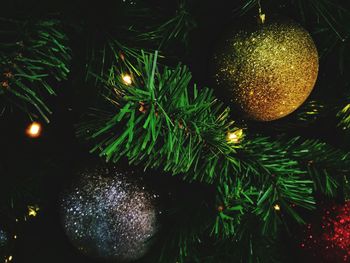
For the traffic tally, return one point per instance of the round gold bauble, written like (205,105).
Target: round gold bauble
(269,69)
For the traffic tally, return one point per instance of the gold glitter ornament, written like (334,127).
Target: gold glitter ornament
(269,69)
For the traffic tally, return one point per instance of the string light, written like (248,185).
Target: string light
(33,210)
(277,207)
(34,130)
(8,259)
(235,136)
(220,208)
(127,79)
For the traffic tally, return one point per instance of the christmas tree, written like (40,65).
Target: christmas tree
(175,131)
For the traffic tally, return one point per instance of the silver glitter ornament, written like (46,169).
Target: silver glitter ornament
(108,215)
(3,238)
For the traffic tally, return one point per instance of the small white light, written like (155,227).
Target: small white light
(277,207)
(34,130)
(127,79)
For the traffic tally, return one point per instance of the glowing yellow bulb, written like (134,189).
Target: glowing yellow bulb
(8,259)
(33,210)
(15,237)
(277,207)
(262,18)
(127,79)
(234,137)
(34,130)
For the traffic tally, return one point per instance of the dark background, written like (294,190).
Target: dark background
(36,170)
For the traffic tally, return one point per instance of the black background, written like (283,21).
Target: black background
(45,165)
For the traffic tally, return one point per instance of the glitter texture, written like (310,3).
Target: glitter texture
(3,238)
(331,241)
(108,215)
(270,69)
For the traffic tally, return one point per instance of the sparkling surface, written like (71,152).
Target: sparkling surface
(270,70)
(111,217)
(332,240)
(3,238)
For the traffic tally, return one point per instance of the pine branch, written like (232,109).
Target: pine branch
(325,165)
(344,116)
(245,6)
(321,168)
(112,58)
(281,195)
(268,201)
(31,54)
(332,23)
(329,12)
(158,32)
(176,28)
(233,203)
(154,120)
(151,114)
(184,236)
(181,135)
(307,116)
(310,111)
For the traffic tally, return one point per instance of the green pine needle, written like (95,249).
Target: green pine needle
(32,54)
